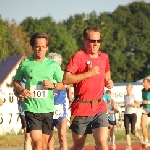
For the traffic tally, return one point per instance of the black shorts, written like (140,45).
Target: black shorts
(23,123)
(84,125)
(112,122)
(39,121)
(130,118)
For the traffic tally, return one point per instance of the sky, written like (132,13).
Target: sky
(59,10)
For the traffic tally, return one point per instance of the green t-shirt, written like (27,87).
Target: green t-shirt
(34,73)
(146,96)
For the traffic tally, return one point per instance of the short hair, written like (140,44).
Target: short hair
(55,56)
(129,84)
(148,80)
(39,35)
(88,30)
(108,92)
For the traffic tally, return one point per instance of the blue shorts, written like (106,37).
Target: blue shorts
(56,121)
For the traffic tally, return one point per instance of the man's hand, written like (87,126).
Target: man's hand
(109,83)
(25,93)
(47,84)
(93,71)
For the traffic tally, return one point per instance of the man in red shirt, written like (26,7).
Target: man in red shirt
(89,71)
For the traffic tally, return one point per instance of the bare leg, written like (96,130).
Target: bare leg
(45,138)
(27,141)
(111,130)
(78,141)
(143,125)
(128,139)
(138,135)
(61,126)
(101,136)
(36,136)
(51,141)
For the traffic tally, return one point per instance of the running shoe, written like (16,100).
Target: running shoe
(147,144)
(142,141)
(128,148)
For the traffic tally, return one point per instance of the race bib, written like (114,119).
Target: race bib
(59,110)
(38,91)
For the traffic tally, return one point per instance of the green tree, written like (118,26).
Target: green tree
(3,30)
(16,40)
(61,40)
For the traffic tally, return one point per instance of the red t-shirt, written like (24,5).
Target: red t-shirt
(91,88)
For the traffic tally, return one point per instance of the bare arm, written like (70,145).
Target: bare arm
(115,110)
(17,86)
(108,82)
(115,106)
(136,104)
(60,86)
(108,75)
(18,95)
(22,91)
(49,84)
(69,93)
(144,102)
(71,79)
(122,106)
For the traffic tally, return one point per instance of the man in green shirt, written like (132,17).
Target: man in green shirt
(40,73)
(146,109)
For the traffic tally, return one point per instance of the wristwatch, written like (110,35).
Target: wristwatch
(55,85)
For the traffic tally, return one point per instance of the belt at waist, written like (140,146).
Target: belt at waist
(88,101)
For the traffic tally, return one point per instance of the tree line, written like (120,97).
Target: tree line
(125,37)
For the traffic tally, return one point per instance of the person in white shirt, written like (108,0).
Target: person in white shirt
(131,105)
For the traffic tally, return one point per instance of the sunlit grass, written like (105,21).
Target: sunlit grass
(12,140)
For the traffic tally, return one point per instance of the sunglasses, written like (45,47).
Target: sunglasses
(93,41)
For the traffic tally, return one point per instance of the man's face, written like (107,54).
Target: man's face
(145,83)
(92,44)
(40,48)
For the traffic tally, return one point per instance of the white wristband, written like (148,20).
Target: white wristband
(148,102)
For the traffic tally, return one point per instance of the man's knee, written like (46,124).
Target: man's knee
(37,143)
(102,144)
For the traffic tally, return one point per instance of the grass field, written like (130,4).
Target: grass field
(12,140)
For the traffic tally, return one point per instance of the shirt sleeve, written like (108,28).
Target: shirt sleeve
(19,72)
(58,75)
(73,64)
(107,64)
